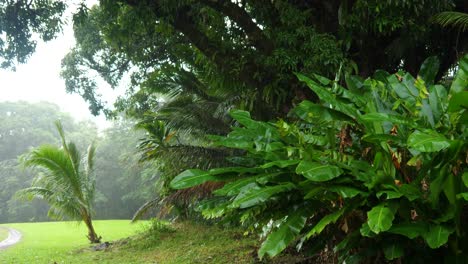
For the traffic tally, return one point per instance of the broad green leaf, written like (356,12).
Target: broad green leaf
(345,191)
(328,219)
(390,194)
(190,178)
(232,142)
(382,117)
(253,194)
(309,112)
(234,187)
(315,171)
(463,196)
(280,238)
(458,101)
(437,236)
(264,178)
(404,89)
(436,187)
(380,218)
(393,251)
(465,178)
(314,192)
(460,83)
(381,76)
(366,231)
(328,97)
(280,164)
(409,230)
(354,83)
(378,138)
(438,100)
(217,171)
(449,189)
(410,191)
(429,69)
(426,112)
(323,80)
(427,142)
(243,117)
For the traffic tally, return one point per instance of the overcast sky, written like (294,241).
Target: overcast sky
(39,79)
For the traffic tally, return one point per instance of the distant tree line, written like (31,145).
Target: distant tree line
(26,125)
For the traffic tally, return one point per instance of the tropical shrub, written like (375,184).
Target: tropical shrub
(374,170)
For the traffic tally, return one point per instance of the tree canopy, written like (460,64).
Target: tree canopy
(247,51)
(23,23)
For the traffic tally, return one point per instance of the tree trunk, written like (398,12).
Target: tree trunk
(92,236)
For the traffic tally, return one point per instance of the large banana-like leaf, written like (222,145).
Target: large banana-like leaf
(280,238)
(460,83)
(410,230)
(280,164)
(315,171)
(253,194)
(380,218)
(437,235)
(405,90)
(346,191)
(329,98)
(309,112)
(429,70)
(458,101)
(438,100)
(429,141)
(234,187)
(328,219)
(383,117)
(190,178)
(393,251)
(465,178)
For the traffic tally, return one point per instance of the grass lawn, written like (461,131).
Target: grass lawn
(56,241)
(3,234)
(184,242)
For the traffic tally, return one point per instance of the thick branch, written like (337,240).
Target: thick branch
(243,19)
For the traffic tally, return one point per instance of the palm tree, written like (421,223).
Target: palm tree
(64,182)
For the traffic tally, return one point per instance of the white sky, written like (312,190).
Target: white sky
(39,80)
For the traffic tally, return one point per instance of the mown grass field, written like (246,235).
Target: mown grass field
(184,242)
(3,234)
(58,241)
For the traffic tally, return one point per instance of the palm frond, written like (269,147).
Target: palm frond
(145,208)
(33,192)
(55,162)
(452,19)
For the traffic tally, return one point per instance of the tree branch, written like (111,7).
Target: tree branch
(243,19)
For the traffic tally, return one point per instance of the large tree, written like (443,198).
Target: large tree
(64,182)
(23,23)
(249,49)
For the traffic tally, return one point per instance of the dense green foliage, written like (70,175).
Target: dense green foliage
(22,126)
(379,167)
(245,51)
(376,164)
(20,21)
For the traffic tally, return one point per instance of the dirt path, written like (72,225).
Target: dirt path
(14,236)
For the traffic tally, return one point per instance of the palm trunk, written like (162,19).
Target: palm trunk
(92,236)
